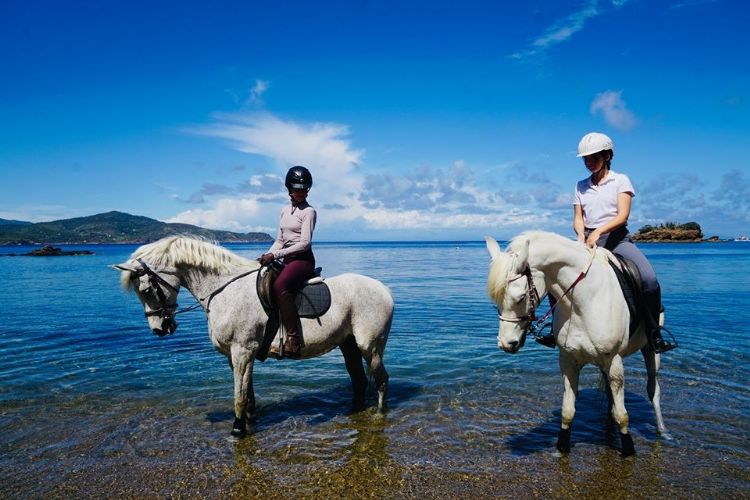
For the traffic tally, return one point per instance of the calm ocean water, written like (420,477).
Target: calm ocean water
(92,404)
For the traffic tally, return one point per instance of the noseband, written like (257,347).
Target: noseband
(166,311)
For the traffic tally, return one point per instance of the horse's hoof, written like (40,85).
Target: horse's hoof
(628,449)
(358,405)
(238,427)
(563,441)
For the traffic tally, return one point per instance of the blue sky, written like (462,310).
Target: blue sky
(419,120)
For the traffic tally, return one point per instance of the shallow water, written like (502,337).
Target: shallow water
(92,404)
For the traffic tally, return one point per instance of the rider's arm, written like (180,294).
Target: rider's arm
(305,238)
(578,225)
(623,212)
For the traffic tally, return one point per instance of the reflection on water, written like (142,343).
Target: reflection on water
(91,404)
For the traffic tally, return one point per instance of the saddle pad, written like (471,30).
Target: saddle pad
(630,283)
(313,300)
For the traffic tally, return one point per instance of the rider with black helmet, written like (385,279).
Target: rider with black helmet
(293,245)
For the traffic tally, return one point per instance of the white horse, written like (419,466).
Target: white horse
(591,318)
(358,321)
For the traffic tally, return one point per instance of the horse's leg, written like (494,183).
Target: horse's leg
(619,413)
(570,371)
(608,391)
(374,360)
(242,363)
(653,360)
(353,360)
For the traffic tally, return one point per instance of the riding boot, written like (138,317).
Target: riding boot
(290,320)
(652,310)
(549,339)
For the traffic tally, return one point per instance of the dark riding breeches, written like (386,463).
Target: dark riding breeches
(294,274)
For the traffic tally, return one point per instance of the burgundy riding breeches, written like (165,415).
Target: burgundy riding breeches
(296,272)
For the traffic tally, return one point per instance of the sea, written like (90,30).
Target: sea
(93,405)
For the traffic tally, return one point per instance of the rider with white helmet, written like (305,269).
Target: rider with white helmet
(601,210)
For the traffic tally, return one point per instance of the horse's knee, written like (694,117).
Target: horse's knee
(621,418)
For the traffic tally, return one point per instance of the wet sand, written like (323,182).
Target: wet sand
(309,448)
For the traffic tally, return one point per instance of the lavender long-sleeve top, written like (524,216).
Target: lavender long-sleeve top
(295,230)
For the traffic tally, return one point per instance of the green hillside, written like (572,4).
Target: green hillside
(110,227)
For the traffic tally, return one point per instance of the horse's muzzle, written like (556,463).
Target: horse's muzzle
(168,328)
(511,347)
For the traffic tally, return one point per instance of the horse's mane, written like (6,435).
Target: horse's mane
(176,251)
(497,281)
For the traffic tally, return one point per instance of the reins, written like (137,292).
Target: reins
(165,311)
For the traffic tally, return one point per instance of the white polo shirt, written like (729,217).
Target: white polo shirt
(599,203)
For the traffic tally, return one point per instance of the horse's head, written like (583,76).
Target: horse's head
(157,291)
(510,285)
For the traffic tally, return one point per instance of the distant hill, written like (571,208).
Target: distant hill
(9,222)
(111,227)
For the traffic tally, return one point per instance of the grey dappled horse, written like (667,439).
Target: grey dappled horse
(358,321)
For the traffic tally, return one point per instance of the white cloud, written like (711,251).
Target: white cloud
(346,193)
(256,93)
(422,220)
(614,110)
(561,30)
(323,147)
(231,214)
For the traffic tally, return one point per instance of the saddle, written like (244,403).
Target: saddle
(312,301)
(632,288)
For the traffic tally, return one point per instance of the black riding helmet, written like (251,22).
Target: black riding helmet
(298,178)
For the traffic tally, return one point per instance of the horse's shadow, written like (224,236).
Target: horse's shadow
(593,424)
(319,406)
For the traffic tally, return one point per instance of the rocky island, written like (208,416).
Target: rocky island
(672,232)
(49,251)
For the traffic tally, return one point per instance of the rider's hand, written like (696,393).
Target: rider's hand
(593,238)
(266,259)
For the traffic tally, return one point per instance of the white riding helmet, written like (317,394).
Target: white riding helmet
(593,143)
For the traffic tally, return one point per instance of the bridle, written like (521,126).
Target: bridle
(167,312)
(533,299)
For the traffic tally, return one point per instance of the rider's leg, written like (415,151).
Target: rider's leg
(651,294)
(285,289)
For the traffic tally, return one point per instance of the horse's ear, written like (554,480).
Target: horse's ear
(522,257)
(492,246)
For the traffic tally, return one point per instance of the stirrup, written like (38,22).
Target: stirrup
(665,345)
(546,340)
